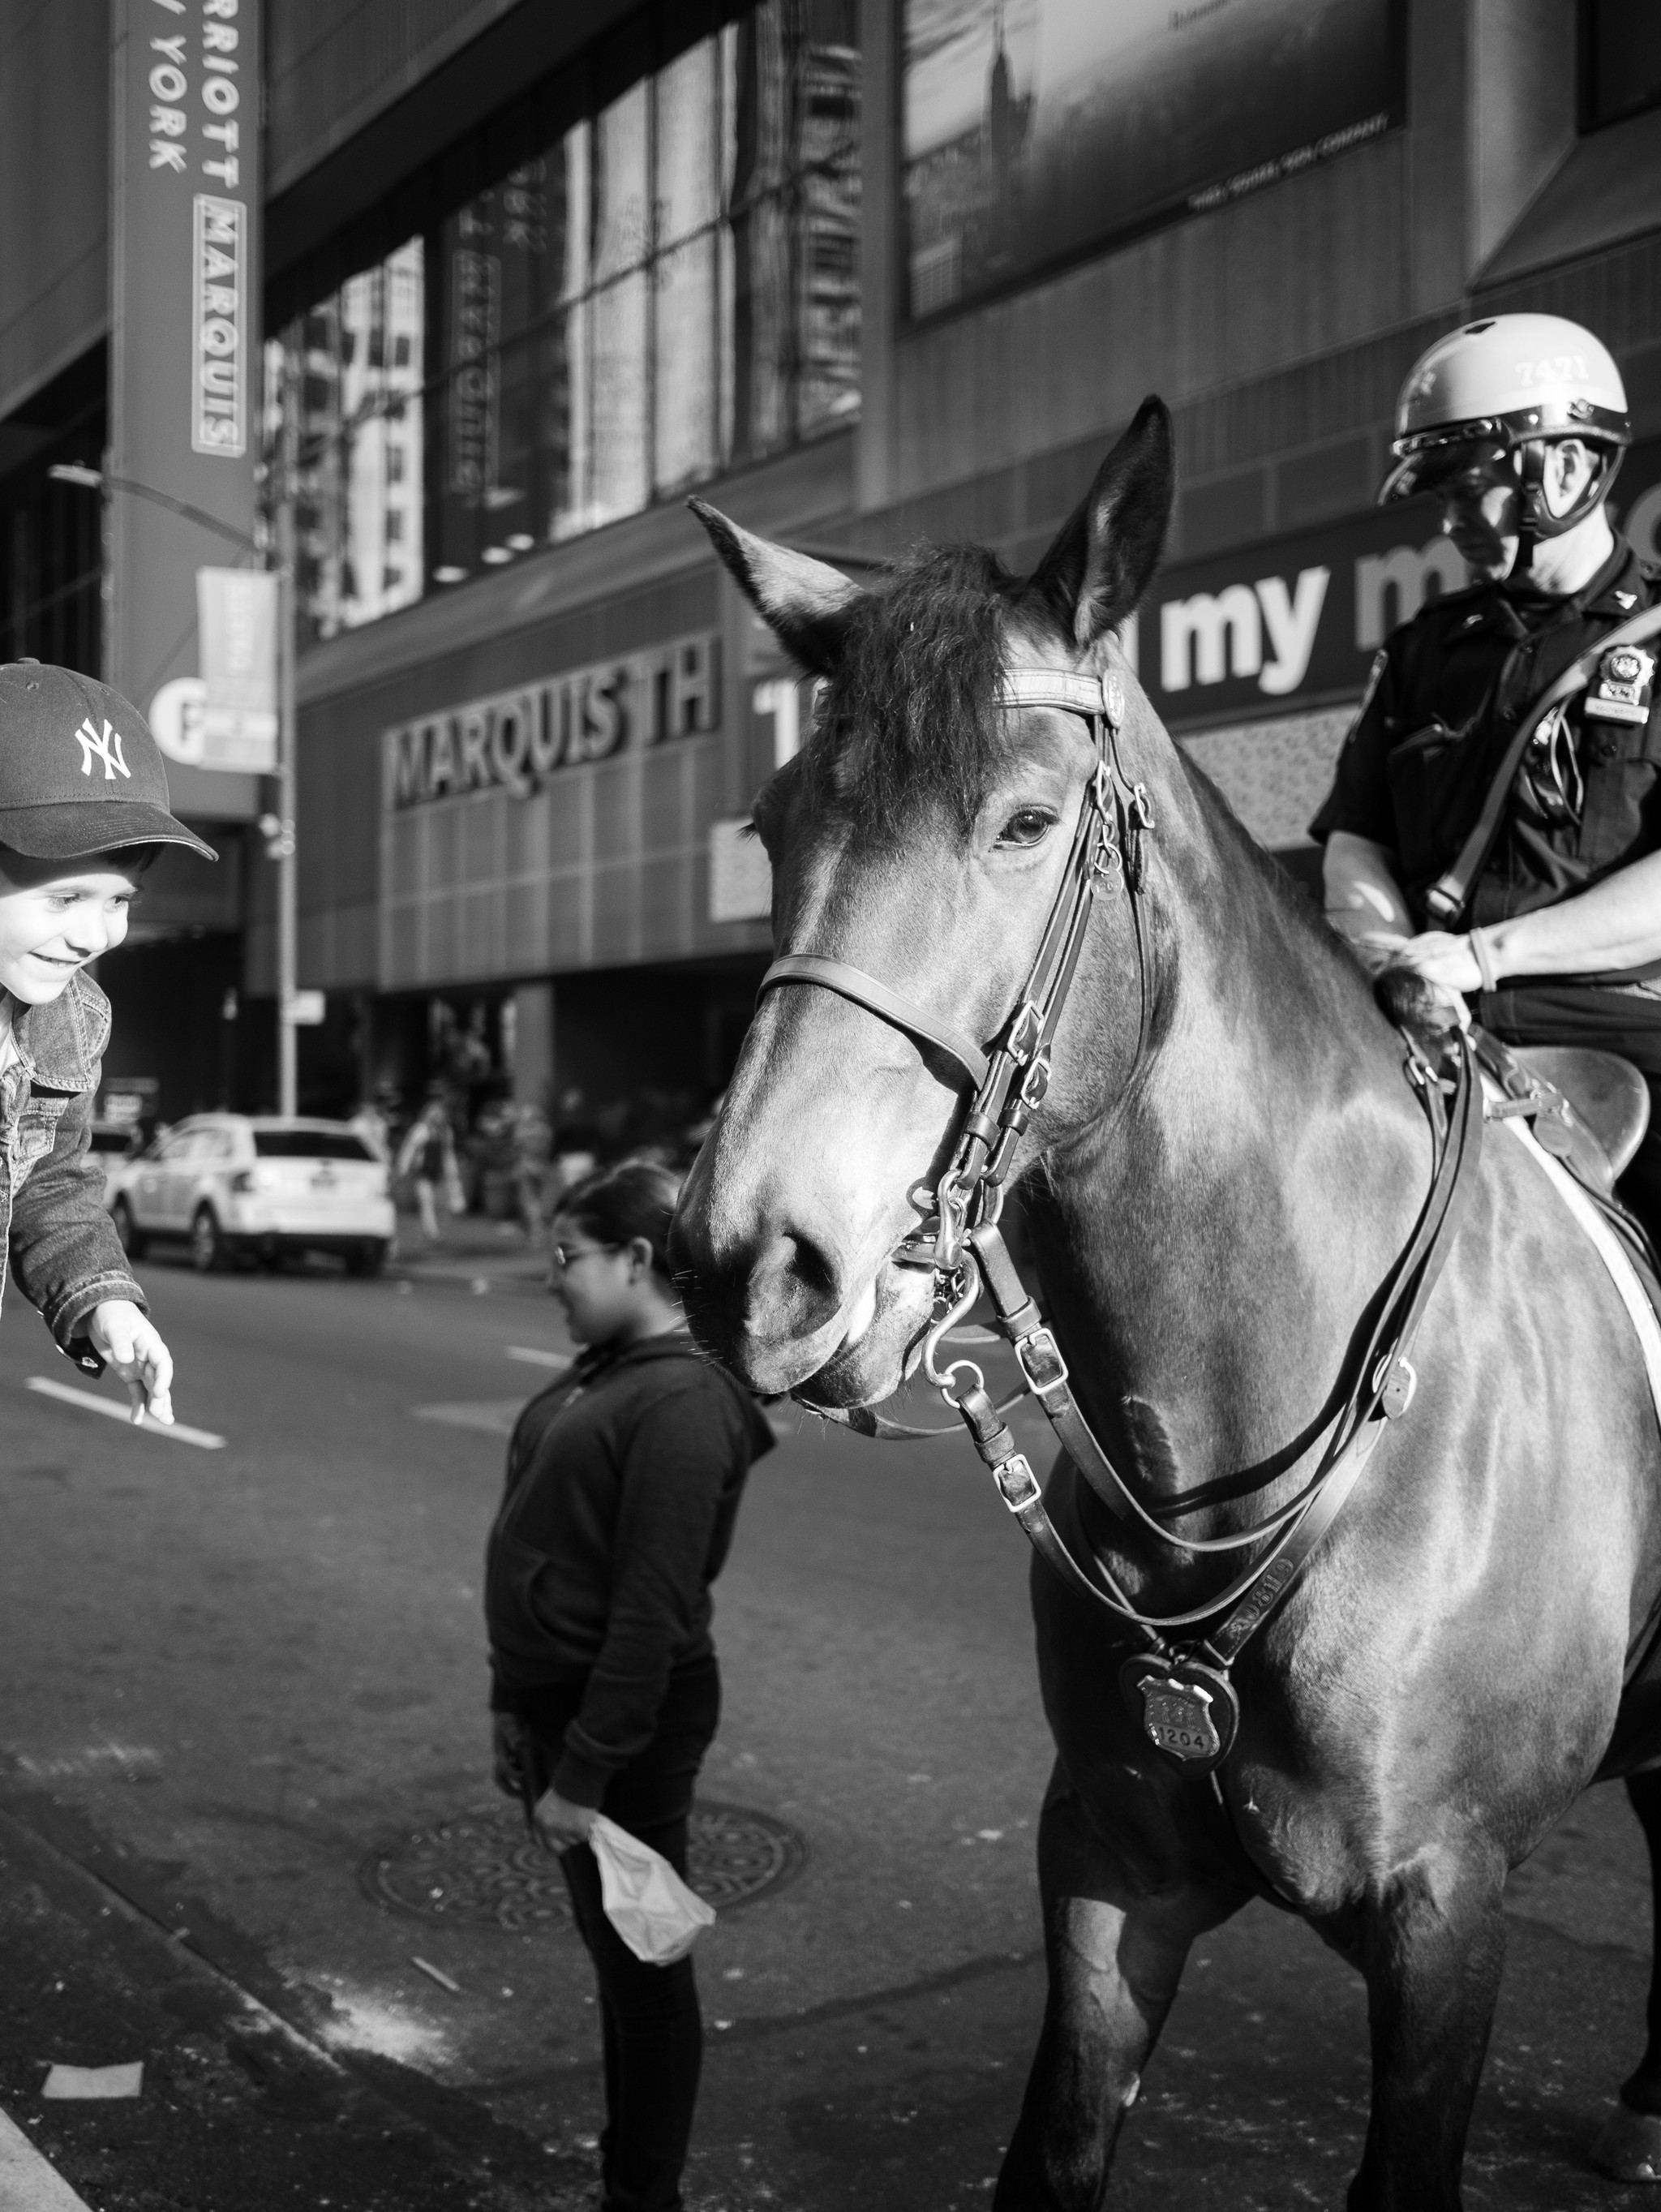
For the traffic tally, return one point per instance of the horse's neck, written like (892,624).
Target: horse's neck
(1207,1251)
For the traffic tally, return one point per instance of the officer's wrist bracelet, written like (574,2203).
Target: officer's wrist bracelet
(1484,959)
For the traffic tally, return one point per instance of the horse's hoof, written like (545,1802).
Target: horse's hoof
(1629,2148)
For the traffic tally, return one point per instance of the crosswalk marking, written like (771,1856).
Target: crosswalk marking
(178,1432)
(27,2182)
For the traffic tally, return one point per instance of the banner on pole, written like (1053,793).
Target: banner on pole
(184,355)
(237,635)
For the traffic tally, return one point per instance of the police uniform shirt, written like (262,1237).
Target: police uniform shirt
(1446,693)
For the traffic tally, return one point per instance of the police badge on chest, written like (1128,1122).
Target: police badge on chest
(1620,692)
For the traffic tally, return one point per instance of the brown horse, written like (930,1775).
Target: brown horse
(1226,1168)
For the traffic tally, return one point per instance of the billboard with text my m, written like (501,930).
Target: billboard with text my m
(1294,621)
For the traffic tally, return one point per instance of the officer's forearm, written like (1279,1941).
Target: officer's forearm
(1617,924)
(1361,895)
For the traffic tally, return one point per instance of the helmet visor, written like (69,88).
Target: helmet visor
(1447,466)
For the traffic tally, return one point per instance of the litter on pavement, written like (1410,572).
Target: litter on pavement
(89,2081)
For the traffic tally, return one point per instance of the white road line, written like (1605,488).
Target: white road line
(27,2183)
(179,1433)
(532,1357)
(497,1416)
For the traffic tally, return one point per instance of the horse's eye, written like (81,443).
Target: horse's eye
(1025,826)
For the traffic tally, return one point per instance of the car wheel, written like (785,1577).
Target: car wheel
(367,1258)
(208,1251)
(133,1237)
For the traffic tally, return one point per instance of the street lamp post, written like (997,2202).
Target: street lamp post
(278,828)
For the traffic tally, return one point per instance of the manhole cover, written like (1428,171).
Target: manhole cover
(482,1868)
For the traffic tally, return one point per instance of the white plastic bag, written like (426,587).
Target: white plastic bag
(645,1900)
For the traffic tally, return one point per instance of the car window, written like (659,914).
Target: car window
(213,1144)
(310,1144)
(179,1146)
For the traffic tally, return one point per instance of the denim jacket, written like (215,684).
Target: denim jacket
(64,1251)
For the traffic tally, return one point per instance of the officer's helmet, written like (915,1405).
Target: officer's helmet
(1500,390)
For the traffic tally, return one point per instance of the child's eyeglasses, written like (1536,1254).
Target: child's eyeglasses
(566,1255)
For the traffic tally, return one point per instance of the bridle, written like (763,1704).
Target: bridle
(1189,1706)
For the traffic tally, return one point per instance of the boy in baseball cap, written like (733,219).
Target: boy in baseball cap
(83,809)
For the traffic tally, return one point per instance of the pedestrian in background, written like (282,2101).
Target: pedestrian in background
(427,1158)
(623,1483)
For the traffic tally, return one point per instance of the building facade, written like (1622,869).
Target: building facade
(862,272)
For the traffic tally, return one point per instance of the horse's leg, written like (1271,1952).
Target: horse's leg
(1432,1946)
(1630,2148)
(1113,1973)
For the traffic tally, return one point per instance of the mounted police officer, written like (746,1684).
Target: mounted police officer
(1516,426)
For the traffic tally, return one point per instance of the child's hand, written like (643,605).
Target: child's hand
(126,1341)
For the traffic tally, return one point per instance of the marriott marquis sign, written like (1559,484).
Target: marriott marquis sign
(516,740)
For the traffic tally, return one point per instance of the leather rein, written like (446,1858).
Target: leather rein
(1188,1705)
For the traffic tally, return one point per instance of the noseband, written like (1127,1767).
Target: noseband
(1188,1705)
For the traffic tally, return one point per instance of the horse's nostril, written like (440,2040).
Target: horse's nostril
(794,1256)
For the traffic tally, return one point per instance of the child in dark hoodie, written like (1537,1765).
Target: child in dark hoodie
(623,1483)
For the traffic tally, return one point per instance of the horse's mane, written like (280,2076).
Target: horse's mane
(908,717)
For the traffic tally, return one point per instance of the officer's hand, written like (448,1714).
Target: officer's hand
(1446,960)
(132,1345)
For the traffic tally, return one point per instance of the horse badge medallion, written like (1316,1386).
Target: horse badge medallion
(1188,1712)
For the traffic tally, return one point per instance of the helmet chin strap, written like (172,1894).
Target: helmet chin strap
(1536,519)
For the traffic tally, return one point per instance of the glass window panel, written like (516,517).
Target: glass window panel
(619,481)
(555,382)
(620,208)
(569,376)
(687,144)
(573,159)
(761,326)
(829,280)
(762,102)
(684,384)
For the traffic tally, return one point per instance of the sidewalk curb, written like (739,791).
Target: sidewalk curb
(64,1851)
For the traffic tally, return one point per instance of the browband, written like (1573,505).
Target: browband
(1055,687)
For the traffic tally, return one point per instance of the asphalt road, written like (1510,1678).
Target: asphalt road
(240,1682)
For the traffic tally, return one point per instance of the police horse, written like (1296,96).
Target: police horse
(1355,1539)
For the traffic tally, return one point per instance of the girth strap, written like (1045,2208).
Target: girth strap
(865,990)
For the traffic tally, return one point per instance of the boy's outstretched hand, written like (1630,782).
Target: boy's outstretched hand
(126,1340)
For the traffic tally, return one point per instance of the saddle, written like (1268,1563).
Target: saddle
(1590,1108)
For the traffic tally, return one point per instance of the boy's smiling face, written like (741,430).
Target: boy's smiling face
(56,915)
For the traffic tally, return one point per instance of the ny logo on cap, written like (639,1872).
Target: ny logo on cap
(107,747)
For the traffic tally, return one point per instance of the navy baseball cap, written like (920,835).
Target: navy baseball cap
(80,772)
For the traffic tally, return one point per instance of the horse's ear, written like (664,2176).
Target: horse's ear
(806,603)
(1100,565)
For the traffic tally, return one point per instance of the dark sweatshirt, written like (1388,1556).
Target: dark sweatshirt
(623,1482)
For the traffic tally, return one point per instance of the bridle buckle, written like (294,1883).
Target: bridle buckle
(1026,1030)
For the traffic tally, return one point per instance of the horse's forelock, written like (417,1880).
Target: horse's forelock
(909,720)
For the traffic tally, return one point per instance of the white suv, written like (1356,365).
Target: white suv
(238,1185)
